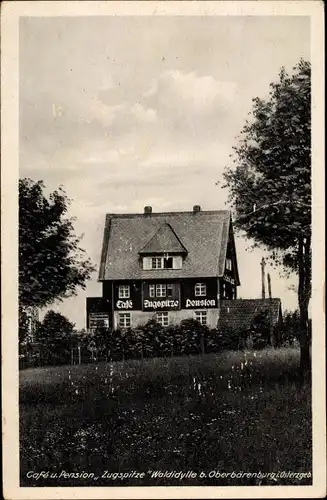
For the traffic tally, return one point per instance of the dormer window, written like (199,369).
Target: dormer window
(161,262)
(164,250)
(156,263)
(168,262)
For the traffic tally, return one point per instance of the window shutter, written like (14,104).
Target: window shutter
(177,262)
(147,262)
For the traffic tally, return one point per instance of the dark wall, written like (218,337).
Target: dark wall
(227,290)
(182,290)
(188,290)
(175,289)
(97,305)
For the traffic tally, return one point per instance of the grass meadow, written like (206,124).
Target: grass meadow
(233,411)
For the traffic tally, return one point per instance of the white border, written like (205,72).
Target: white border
(10,13)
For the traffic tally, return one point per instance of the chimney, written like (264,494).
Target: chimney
(263,285)
(196,209)
(147,210)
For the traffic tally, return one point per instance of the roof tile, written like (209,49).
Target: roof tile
(240,313)
(164,241)
(204,234)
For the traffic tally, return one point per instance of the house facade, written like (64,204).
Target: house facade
(165,266)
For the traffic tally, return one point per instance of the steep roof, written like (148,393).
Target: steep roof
(164,241)
(203,234)
(239,313)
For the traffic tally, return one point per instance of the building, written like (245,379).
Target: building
(241,315)
(167,266)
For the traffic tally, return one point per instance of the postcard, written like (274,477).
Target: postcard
(163,253)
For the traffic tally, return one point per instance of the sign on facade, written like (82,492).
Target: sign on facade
(229,279)
(164,305)
(190,303)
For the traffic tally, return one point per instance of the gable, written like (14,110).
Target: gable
(164,241)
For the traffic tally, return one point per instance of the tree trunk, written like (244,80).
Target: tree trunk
(304,293)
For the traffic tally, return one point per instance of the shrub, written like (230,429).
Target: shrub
(152,340)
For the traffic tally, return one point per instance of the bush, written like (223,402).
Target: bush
(150,340)
(291,327)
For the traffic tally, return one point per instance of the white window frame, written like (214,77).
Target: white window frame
(161,290)
(124,292)
(200,290)
(228,264)
(152,291)
(200,316)
(162,318)
(157,263)
(124,320)
(169,290)
(160,262)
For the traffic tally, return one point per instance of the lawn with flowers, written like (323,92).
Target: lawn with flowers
(233,411)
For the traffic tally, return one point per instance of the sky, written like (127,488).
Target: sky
(125,112)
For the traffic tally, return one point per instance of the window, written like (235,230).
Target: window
(157,263)
(200,290)
(98,320)
(201,317)
(125,320)
(162,318)
(160,290)
(161,263)
(229,264)
(123,292)
(168,262)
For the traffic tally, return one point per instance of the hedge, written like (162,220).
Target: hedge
(150,340)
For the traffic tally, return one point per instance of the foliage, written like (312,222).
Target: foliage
(51,263)
(153,340)
(55,337)
(22,327)
(150,340)
(167,414)
(54,326)
(260,329)
(270,181)
(291,326)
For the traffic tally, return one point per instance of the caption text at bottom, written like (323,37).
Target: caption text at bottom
(166,474)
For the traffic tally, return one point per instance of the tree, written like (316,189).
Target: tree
(22,327)
(54,326)
(51,264)
(56,334)
(270,182)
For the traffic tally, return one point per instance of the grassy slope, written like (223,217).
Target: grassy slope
(232,411)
